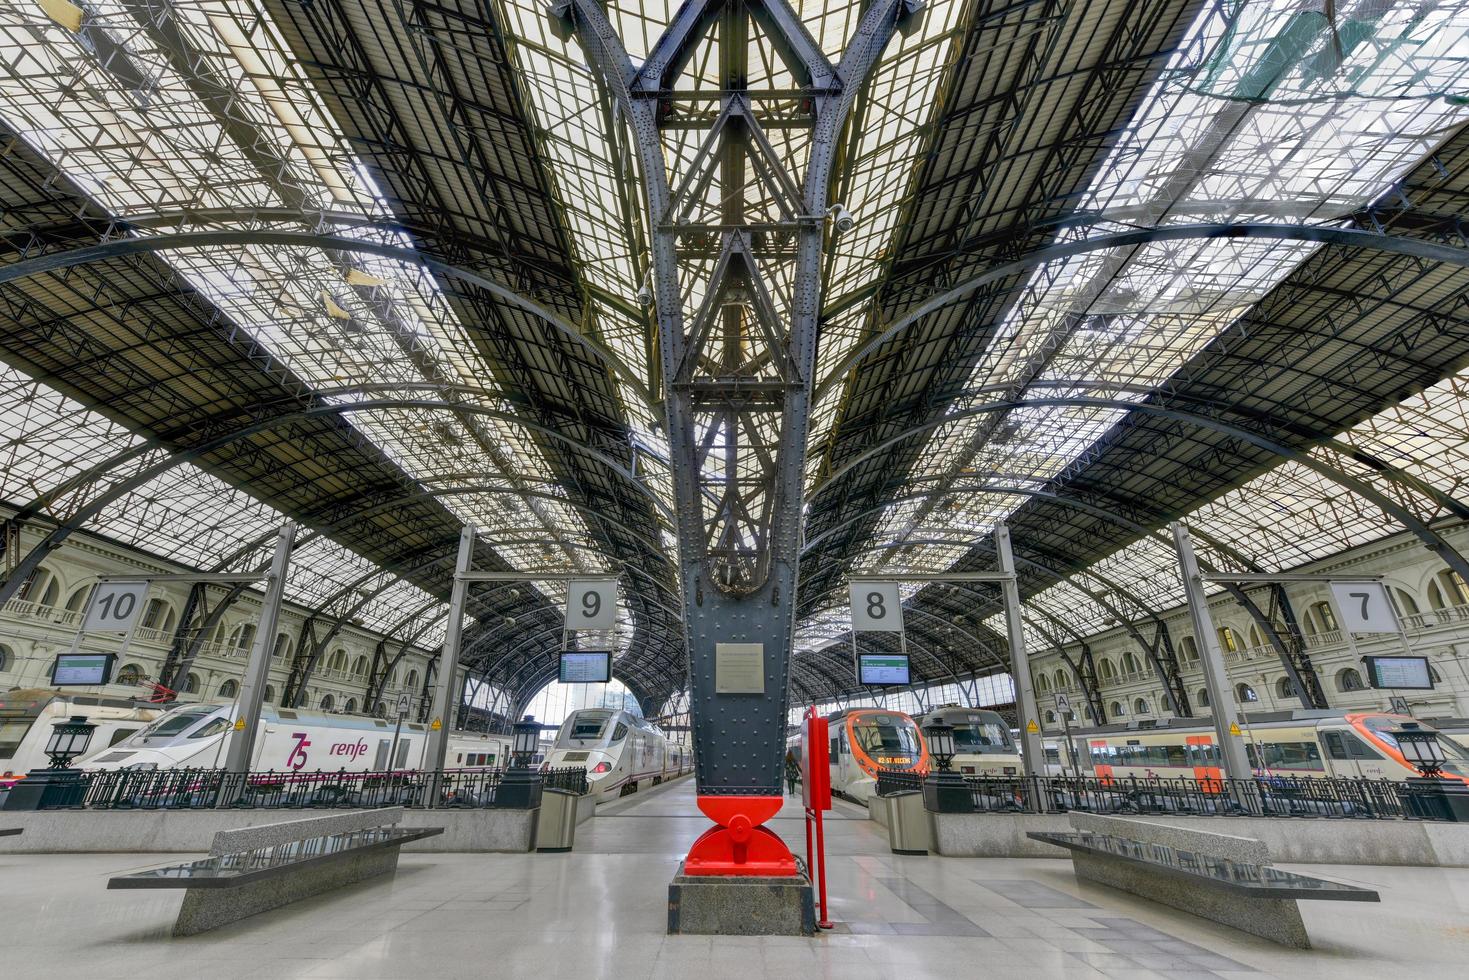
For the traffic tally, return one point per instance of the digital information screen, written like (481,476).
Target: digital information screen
(882,669)
(84,669)
(586,666)
(1408,672)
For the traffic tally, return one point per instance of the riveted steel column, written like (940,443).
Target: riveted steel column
(1227,732)
(446,699)
(257,670)
(1029,717)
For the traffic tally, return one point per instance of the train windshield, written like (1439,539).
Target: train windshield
(175,723)
(889,739)
(1457,756)
(978,735)
(586,725)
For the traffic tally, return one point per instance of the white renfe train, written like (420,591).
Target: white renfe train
(195,736)
(27,715)
(983,745)
(619,751)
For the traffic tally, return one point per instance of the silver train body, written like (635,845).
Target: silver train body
(195,736)
(620,751)
(27,715)
(983,744)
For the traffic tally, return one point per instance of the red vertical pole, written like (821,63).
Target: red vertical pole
(825,922)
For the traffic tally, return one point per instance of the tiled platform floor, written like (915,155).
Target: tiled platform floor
(599,912)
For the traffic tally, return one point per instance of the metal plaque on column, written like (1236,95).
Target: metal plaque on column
(876,606)
(591,604)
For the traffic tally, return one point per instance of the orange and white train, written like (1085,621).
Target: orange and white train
(1289,744)
(865,741)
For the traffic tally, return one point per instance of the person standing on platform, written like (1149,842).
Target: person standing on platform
(793,773)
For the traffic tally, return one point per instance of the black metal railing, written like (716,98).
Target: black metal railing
(185,789)
(1361,799)
(891,782)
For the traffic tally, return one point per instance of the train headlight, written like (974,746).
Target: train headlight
(601,767)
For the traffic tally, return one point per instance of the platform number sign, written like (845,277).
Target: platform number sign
(1364,607)
(591,604)
(115,606)
(876,606)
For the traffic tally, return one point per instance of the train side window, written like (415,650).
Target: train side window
(1345,745)
(1177,757)
(121,734)
(834,750)
(619,733)
(212,727)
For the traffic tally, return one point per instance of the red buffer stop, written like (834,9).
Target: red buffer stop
(739,845)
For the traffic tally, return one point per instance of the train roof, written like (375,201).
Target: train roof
(19,697)
(839,715)
(1255,719)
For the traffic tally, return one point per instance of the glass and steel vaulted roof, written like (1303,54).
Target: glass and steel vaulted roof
(989,132)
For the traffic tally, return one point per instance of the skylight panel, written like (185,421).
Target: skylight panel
(230,126)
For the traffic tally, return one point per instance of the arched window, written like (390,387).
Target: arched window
(191,684)
(1228,640)
(1042,683)
(1189,650)
(1347,679)
(327,701)
(282,646)
(1117,710)
(1244,693)
(338,660)
(351,706)
(1433,675)
(159,615)
(242,637)
(1202,697)
(412,682)
(1404,602)
(1129,664)
(1447,589)
(1106,670)
(1256,640)
(1140,707)
(269,694)
(229,689)
(41,587)
(359,667)
(379,710)
(78,600)
(7,657)
(1050,717)
(1284,689)
(1325,616)
(129,674)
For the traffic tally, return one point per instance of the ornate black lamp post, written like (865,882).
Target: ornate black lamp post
(520,787)
(944,791)
(58,785)
(1429,795)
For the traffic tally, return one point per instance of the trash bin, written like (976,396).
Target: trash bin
(908,822)
(556,826)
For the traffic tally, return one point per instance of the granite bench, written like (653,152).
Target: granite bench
(255,869)
(1220,877)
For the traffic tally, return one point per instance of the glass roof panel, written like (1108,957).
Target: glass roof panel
(206,112)
(1246,125)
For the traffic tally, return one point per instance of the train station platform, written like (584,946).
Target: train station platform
(599,912)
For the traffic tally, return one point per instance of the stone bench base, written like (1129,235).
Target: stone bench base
(210,908)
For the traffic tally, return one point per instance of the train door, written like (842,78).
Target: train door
(1101,761)
(380,760)
(403,746)
(1350,757)
(1204,757)
(838,755)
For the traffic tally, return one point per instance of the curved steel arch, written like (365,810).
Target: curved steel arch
(94,506)
(1365,490)
(125,247)
(1346,237)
